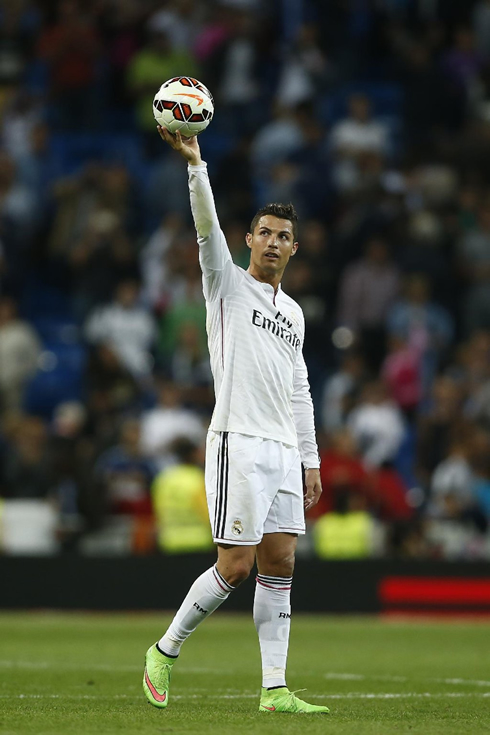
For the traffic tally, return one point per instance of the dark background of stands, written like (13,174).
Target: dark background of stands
(374,119)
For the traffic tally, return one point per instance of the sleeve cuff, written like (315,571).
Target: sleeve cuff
(199,167)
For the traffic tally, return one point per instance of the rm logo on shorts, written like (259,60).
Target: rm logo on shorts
(237,528)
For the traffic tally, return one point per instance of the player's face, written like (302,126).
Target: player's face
(272,244)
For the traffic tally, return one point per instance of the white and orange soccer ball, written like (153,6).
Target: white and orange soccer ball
(183,104)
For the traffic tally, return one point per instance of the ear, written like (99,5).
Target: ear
(248,239)
(294,248)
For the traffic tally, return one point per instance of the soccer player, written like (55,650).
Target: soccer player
(261,430)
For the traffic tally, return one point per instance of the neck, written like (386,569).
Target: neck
(274,279)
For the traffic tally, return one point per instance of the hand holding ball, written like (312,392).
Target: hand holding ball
(183,104)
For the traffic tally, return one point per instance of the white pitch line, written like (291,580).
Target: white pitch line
(470,682)
(95,667)
(361,677)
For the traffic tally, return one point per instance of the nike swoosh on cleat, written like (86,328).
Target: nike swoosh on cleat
(271,709)
(158,697)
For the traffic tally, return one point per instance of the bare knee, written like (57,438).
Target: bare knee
(278,566)
(235,564)
(237,574)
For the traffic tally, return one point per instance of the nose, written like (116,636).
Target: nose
(272,241)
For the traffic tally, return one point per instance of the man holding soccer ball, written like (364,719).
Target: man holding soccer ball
(261,431)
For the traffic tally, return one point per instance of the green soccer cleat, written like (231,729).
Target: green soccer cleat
(282,700)
(156,679)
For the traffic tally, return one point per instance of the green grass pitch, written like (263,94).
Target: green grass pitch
(81,673)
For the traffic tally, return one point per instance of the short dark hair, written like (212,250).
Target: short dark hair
(283,211)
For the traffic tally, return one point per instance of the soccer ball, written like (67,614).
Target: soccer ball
(183,104)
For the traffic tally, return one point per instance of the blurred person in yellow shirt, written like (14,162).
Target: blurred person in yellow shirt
(179,502)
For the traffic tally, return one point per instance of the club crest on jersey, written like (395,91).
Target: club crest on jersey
(237,528)
(284,332)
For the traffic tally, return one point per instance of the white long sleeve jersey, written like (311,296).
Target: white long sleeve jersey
(255,339)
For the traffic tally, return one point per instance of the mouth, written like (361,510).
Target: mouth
(271,256)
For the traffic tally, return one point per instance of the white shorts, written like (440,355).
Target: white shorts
(253,486)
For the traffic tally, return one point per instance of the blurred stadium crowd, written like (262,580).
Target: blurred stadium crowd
(373,117)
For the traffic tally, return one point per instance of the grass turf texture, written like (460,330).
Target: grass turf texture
(75,673)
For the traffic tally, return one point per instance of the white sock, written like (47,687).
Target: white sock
(272,618)
(206,594)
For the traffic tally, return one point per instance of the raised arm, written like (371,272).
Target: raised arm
(214,256)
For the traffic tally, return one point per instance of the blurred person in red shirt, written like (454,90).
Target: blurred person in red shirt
(71,47)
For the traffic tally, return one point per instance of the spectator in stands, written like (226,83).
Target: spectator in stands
(458,516)
(480,465)
(37,170)
(127,327)
(26,471)
(276,140)
(388,497)
(235,68)
(156,62)
(18,219)
(342,471)
(439,426)
(424,93)
(368,289)
(179,502)
(423,324)
(168,421)
(305,70)
(123,476)
(481,28)
(153,261)
(112,391)
(95,188)
(358,133)
(377,425)
(186,307)
(19,352)
(451,494)
(29,520)
(181,20)
(72,48)
(347,532)
(21,114)
(461,65)
(341,389)
(401,372)
(473,253)
(312,190)
(100,260)
(188,364)
(300,285)
(18,28)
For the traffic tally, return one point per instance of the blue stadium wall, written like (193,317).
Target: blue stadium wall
(75,583)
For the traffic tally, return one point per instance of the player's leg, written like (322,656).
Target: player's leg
(213,587)
(207,593)
(272,608)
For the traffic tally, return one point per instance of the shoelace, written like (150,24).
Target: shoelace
(291,696)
